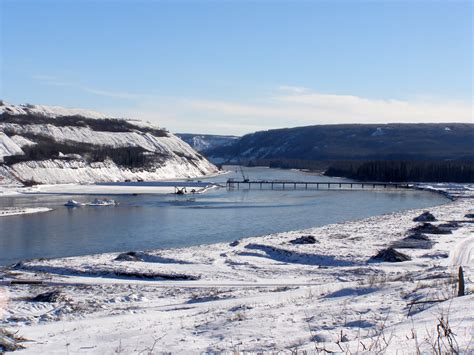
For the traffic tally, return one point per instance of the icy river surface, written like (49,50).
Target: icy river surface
(168,221)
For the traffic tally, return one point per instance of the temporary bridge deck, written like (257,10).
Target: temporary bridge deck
(280,184)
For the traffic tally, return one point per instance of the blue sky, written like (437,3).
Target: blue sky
(233,67)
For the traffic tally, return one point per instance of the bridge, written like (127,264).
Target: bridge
(327,185)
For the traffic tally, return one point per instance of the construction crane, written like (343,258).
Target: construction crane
(244,178)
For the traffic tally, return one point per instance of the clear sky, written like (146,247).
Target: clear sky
(232,67)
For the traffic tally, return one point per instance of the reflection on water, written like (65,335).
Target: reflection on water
(163,221)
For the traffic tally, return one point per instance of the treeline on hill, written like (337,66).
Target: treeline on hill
(404,171)
(102,125)
(47,148)
(314,165)
(380,170)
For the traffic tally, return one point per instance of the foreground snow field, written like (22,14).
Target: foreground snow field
(313,290)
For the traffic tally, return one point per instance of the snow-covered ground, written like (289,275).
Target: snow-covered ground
(313,290)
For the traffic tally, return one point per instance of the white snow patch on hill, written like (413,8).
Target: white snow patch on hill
(22,141)
(378,132)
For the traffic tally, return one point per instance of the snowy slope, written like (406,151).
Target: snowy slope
(8,147)
(49,111)
(71,136)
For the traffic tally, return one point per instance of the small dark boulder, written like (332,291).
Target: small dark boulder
(390,255)
(234,243)
(429,228)
(51,297)
(129,256)
(305,239)
(425,217)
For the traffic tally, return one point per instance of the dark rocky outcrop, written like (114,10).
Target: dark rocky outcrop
(148,258)
(390,255)
(51,297)
(129,256)
(305,239)
(425,217)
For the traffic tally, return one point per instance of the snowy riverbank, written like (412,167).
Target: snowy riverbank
(308,290)
(14,211)
(112,189)
(118,188)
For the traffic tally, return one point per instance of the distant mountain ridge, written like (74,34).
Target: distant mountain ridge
(203,142)
(353,142)
(49,144)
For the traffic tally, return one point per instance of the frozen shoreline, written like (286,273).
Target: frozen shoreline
(259,294)
(15,211)
(100,189)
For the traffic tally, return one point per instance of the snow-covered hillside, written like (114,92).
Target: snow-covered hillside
(49,144)
(392,141)
(48,111)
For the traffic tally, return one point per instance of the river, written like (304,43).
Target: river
(169,221)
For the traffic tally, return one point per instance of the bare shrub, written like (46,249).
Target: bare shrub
(443,340)
(10,341)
